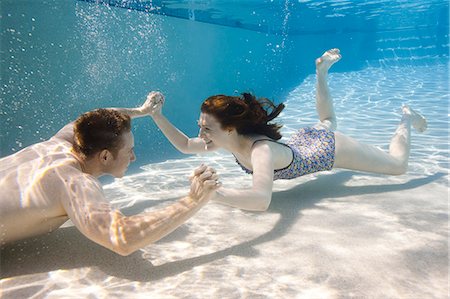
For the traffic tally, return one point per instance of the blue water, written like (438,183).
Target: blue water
(61,58)
(339,235)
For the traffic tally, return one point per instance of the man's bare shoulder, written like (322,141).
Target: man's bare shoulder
(51,149)
(66,173)
(49,165)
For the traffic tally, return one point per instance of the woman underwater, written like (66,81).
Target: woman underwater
(240,124)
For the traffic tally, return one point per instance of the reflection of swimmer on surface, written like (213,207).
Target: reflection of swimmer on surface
(47,183)
(242,126)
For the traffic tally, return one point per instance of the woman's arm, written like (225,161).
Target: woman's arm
(257,198)
(178,139)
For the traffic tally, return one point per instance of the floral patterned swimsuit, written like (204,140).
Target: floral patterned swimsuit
(312,149)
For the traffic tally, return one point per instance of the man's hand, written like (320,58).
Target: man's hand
(204,181)
(154,103)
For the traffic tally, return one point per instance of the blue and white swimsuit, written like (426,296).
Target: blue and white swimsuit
(313,150)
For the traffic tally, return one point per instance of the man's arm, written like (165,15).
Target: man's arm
(66,133)
(97,220)
(132,112)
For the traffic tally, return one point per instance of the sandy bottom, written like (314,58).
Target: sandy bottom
(338,234)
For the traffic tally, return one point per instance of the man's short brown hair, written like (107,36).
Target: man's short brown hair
(100,129)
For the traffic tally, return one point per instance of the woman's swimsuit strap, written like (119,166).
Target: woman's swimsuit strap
(249,171)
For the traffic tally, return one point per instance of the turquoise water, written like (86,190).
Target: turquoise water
(341,234)
(61,58)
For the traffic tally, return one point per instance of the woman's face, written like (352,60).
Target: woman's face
(211,131)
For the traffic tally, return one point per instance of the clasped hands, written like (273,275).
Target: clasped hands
(153,104)
(204,181)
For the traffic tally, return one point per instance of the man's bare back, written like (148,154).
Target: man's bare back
(33,182)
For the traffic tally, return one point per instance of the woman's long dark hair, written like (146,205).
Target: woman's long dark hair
(247,114)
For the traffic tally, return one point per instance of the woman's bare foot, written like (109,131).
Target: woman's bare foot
(328,58)
(417,120)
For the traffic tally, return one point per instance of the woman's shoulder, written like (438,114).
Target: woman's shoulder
(275,146)
(264,140)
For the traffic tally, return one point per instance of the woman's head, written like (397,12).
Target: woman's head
(246,114)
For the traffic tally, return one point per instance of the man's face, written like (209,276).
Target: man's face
(124,156)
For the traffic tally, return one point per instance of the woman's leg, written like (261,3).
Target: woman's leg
(351,154)
(324,103)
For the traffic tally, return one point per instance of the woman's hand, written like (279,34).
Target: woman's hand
(204,182)
(154,103)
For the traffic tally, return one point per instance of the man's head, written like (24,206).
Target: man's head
(104,136)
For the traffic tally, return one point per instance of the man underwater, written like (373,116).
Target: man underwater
(47,183)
